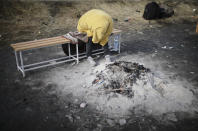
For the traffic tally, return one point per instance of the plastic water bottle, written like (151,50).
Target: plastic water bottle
(116,43)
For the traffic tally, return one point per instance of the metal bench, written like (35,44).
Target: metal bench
(42,43)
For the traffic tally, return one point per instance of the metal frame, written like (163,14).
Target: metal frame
(23,68)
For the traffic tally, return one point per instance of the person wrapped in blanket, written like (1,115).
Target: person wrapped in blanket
(98,26)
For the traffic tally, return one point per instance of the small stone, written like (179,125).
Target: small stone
(110,122)
(73,63)
(185,61)
(139,32)
(28,109)
(76,100)
(192,72)
(78,117)
(70,118)
(122,122)
(17,81)
(111,94)
(187,30)
(170,66)
(138,11)
(153,55)
(83,105)
(99,125)
(115,19)
(164,47)
(127,19)
(172,117)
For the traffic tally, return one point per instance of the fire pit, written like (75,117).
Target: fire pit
(119,77)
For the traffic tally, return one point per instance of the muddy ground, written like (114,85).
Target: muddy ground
(46,99)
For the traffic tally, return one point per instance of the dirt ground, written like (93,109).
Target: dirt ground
(50,98)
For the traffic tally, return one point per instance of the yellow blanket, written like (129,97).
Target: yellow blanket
(97,24)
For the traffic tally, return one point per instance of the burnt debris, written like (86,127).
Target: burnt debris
(119,77)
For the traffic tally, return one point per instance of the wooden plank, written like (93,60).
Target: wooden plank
(37,41)
(41,45)
(44,43)
(41,42)
(38,46)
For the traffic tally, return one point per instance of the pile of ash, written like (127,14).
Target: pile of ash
(119,77)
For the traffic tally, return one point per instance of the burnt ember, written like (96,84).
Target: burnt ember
(119,77)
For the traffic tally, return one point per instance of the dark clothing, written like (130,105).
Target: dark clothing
(89,48)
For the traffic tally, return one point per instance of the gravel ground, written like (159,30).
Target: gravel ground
(40,101)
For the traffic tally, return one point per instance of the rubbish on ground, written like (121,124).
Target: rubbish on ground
(172,117)
(115,19)
(110,122)
(78,117)
(122,122)
(140,32)
(127,19)
(76,100)
(73,63)
(138,11)
(71,119)
(119,77)
(192,72)
(83,105)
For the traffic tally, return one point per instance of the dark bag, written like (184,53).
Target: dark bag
(152,11)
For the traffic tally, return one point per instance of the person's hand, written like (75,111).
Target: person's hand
(84,39)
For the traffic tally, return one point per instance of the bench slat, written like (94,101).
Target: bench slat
(37,41)
(31,46)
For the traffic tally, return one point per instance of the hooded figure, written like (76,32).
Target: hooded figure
(98,26)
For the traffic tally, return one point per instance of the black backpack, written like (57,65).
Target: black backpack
(152,11)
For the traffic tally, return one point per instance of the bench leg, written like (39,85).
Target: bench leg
(22,66)
(69,50)
(77,53)
(17,61)
(119,43)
